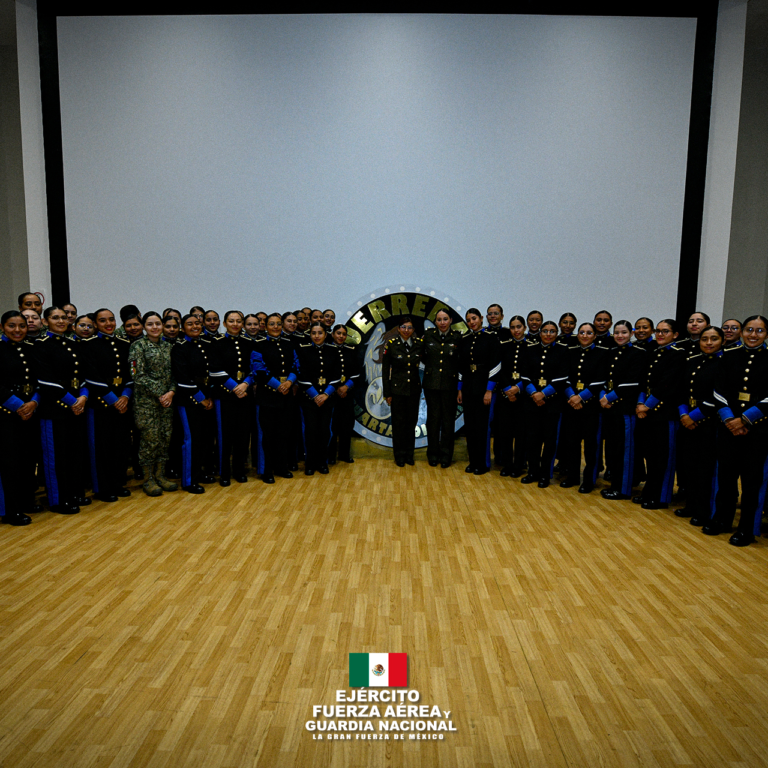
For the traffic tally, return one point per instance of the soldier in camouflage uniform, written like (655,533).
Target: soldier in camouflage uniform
(150,360)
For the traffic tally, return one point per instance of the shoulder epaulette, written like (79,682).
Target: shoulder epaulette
(732,349)
(505,341)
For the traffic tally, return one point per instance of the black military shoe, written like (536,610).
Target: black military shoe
(586,488)
(15,518)
(122,493)
(323,470)
(568,483)
(108,497)
(528,479)
(224,483)
(309,472)
(286,475)
(741,539)
(268,479)
(613,495)
(544,482)
(82,501)
(433,462)
(65,509)
(194,488)
(241,478)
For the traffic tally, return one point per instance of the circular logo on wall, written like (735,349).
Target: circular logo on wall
(372,321)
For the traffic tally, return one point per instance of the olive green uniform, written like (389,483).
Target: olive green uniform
(400,375)
(151,367)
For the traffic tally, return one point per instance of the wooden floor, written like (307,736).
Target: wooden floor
(560,630)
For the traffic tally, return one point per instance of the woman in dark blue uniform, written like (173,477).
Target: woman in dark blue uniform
(511,403)
(544,377)
(697,436)
(624,380)
(741,395)
(274,365)
(587,370)
(18,403)
(319,376)
(657,410)
(479,370)
(190,367)
(440,383)
(62,369)
(732,333)
(567,325)
(233,399)
(343,420)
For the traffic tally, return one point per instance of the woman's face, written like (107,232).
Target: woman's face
(534,322)
(517,328)
(406,330)
(70,310)
(329,318)
(494,315)
(133,328)
(153,328)
(84,328)
(212,322)
(664,334)
(302,321)
(732,330)
(57,321)
(621,335)
(252,325)
(171,328)
(710,342)
(548,334)
(474,322)
(289,323)
(602,323)
(696,324)
(234,324)
(443,322)
(643,330)
(316,317)
(753,334)
(317,334)
(586,336)
(262,321)
(193,327)
(15,328)
(567,324)
(340,335)
(274,326)
(106,323)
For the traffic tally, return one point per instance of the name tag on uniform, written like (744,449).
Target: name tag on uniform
(542,382)
(744,396)
(473,367)
(117,381)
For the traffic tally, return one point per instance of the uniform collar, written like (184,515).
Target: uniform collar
(102,335)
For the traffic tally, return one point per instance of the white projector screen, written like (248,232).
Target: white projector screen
(271,162)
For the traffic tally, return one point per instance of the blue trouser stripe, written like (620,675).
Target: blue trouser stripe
(91,422)
(49,461)
(186,449)
(629,454)
(669,475)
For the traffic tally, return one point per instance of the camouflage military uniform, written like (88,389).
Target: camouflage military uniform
(151,367)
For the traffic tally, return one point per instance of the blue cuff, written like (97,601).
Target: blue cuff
(459,385)
(530,389)
(230,384)
(725,414)
(549,390)
(696,414)
(84,392)
(69,399)
(349,383)
(249,380)
(292,378)
(127,392)
(274,383)
(13,403)
(569,392)
(329,390)
(312,392)
(110,398)
(611,396)
(35,398)
(683,410)
(491,386)
(507,389)
(752,414)
(198,396)
(585,395)
(641,398)
(651,401)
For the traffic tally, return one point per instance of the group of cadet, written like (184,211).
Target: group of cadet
(179,399)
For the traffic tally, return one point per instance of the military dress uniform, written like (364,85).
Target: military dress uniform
(62,370)
(109,379)
(440,356)
(19,439)
(343,419)
(741,391)
(587,370)
(606,341)
(273,362)
(662,396)
(511,433)
(624,379)
(296,437)
(319,374)
(151,370)
(697,448)
(232,367)
(401,382)
(545,370)
(479,370)
(190,369)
